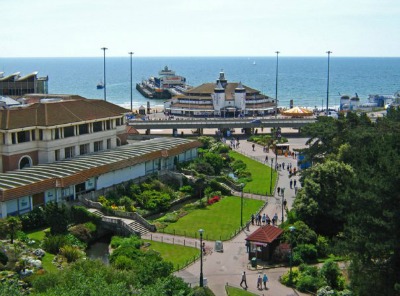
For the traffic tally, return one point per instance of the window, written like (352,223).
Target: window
(69,131)
(13,138)
(25,162)
(24,136)
(98,146)
(57,155)
(97,126)
(56,133)
(69,152)
(41,135)
(118,121)
(84,149)
(83,129)
(33,135)
(108,143)
(108,124)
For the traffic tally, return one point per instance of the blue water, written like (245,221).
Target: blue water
(303,79)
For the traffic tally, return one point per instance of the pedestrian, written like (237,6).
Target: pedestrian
(266,158)
(259,282)
(278,189)
(265,280)
(258,219)
(252,219)
(244,280)
(294,182)
(276,218)
(267,219)
(254,146)
(263,219)
(291,183)
(283,165)
(273,221)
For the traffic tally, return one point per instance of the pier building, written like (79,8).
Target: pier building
(221,99)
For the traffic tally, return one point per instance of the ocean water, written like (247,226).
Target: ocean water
(302,79)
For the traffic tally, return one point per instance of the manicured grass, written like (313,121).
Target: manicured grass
(178,255)
(38,236)
(232,291)
(220,221)
(260,174)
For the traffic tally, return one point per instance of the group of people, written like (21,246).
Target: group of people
(259,220)
(260,281)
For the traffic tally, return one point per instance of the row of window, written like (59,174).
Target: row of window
(64,132)
(69,152)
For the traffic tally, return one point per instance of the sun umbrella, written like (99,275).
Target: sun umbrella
(297,111)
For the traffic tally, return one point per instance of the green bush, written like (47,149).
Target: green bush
(33,220)
(307,252)
(330,271)
(83,232)
(71,253)
(124,263)
(308,283)
(322,246)
(285,278)
(53,243)
(81,215)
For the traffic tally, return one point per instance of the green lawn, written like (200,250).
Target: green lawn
(232,291)
(220,221)
(260,174)
(178,255)
(38,236)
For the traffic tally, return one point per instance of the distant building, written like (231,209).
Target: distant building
(222,98)
(59,146)
(17,85)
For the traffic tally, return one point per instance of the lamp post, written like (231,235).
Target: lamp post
(292,230)
(283,202)
(201,257)
(270,184)
(131,53)
(327,85)
(104,71)
(276,86)
(241,205)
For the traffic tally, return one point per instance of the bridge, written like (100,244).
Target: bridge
(220,123)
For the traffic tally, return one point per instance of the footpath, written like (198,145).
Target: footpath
(225,268)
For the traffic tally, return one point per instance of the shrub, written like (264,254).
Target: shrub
(53,243)
(307,252)
(285,278)
(84,232)
(81,215)
(307,283)
(322,246)
(3,258)
(331,273)
(71,253)
(33,220)
(124,263)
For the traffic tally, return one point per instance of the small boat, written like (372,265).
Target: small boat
(254,63)
(100,85)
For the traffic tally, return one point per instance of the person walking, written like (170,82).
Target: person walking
(291,183)
(259,282)
(265,280)
(268,220)
(295,182)
(254,146)
(252,219)
(263,219)
(244,281)
(278,189)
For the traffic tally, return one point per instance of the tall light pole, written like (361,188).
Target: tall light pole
(292,230)
(276,86)
(104,71)
(201,258)
(270,184)
(131,53)
(327,85)
(283,202)
(241,205)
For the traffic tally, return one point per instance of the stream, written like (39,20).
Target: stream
(99,250)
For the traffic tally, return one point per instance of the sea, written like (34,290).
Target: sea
(301,79)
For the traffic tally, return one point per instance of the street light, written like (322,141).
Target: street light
(270,184)
(283,201)
(241,205)
(131,53)
(201,257)
(327,86)
(104,71)
(292,230)
(276,86)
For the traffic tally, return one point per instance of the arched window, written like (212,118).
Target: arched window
(25,162)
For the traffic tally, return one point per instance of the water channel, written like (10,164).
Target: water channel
(99,249)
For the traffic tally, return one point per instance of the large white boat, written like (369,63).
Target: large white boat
(163,86)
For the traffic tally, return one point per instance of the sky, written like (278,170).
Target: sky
(80,28)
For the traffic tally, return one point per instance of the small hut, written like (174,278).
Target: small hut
(263,242)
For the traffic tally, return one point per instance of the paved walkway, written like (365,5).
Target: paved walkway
(225,268)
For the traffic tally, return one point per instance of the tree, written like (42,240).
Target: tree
(57,217)
(10,226)
(321,203)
